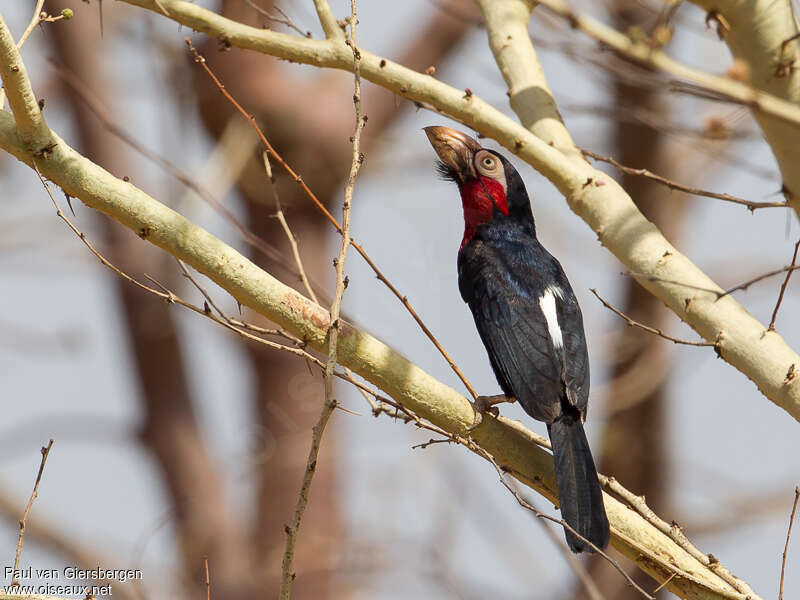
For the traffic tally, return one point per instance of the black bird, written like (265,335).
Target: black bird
(528,318)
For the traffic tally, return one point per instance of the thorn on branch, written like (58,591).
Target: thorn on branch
(790,374)
(46,151)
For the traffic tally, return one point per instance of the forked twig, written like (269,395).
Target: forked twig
(719,294)
(658,332)
(783,289)
(674,185)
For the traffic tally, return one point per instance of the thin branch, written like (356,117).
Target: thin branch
(23,522)
(298,261)
(573,561)
(719,293)
(35,20)
(788,535)
(287,574)
(403,299)
(282,17)
(674,185)
(658,332)
(783,289)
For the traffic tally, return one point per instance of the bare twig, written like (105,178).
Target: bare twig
(282,17)
(658,332)
(783,289)
(583,575)
(788,535)
(719,294)
(674,185)
(321,207)
(287,575)
(35,20)
(23,522)
(289,235)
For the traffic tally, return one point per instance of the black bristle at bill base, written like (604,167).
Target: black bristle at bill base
(446,172)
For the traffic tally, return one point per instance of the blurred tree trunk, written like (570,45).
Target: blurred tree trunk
(170,430)
(634,446)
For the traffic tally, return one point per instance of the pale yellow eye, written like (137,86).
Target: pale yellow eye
(488,162)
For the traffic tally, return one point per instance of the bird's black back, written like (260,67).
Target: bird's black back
(503,274)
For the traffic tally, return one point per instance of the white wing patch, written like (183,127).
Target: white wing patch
(548,305)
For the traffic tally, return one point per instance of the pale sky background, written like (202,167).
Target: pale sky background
(728,441)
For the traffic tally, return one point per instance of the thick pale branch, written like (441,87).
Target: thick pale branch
(372,359)
(742,341)
(763,34)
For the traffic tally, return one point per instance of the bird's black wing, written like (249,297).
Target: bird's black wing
(503,282)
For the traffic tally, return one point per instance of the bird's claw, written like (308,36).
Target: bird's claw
(484,404)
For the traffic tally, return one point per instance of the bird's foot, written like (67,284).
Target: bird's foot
(489,404)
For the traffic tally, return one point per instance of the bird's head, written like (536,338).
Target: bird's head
(489,185)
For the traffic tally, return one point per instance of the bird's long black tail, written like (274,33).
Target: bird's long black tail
(578,487)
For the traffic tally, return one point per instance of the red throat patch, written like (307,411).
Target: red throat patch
(480,197)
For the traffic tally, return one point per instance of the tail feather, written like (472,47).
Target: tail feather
(579,490)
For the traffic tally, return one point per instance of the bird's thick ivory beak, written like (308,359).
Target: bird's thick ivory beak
(455,149)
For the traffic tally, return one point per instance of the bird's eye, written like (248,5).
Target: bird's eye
(485,163)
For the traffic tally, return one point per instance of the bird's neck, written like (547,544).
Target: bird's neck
(482,199)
